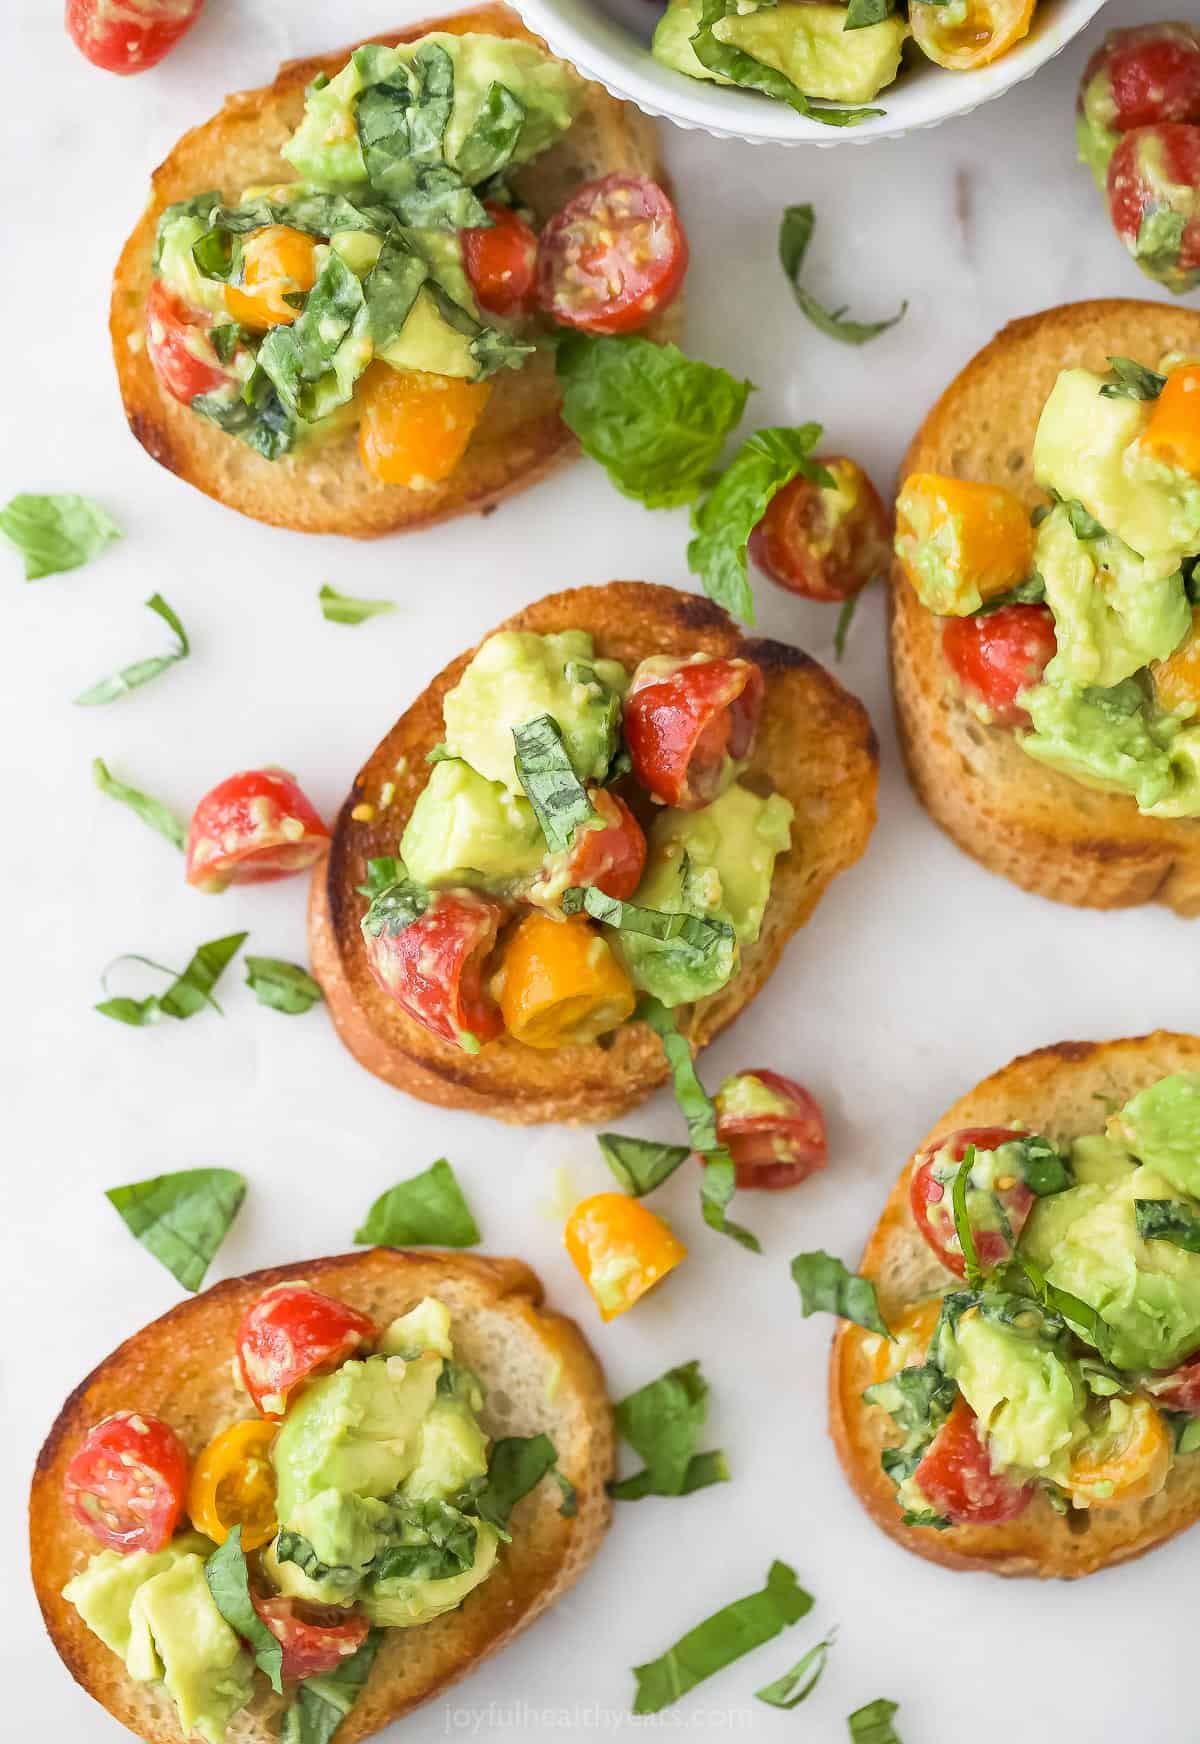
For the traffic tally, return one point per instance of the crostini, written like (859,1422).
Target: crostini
(214,1542)
(1045,606)
(615,795)
(1019,1389)
(334,313)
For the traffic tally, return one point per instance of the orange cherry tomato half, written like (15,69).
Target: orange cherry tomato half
(277,262)
(988,29)
(250,828)
(1125,1460)
(179,348)
(128,1481)
(434,967)
(613,258)
(823,543)
(292,1333)
(930,1189)
(684,720)
(415,426)
(315,1638)
(233,1484)
(128,36)
(620,1249)
(771,1146)
(501,261)
(560,984)
(998,656)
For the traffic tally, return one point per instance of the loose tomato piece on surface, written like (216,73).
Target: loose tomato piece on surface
(1138,76)
(957,1478)
(415,425)
(986,30)
(773,1129)
(501,261)
(613,856)
(931,1202)
(128,36)
(824,543)
(233,1484)
(1154,201)
(292,1333)
(620,1249)
(999,655)
(315,1638)
(684,718)
(128,1481)
(1179,1389)
(613,257)
(560,983)
(251,828)
(434,967)
(179,348)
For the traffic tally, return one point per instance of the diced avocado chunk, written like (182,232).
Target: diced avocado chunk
(1118,741)
(425,1327)
(103,1591)
(179,272)
(358,248)
(402,1603)
(465,829)
(1161,1126)
(200,1660)
(806,41)
(746,1097)
(325,148)
(1030,1396)
(451,1453)
(428,342)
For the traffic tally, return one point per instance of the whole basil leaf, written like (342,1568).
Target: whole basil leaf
(662,1423)
(872,1724)
(826,1286)
(795,1685)
(343,608)
(720,1639)
(737,502)
(322,1703)
(1133,381)
(754,75)
(516,1465)
(282,986)
(151,811)
(427,1210)
(640,1164)
(229,1583)
(795,233)
(57,532)
(142,671)
(1168,1220)
(183,1218)
(544,769)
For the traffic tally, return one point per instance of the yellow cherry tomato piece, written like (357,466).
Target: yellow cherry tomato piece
(415,426)
(913,1330)
(1125,1462)
(276,263)
(560,983)
(959,542)
(1177,678)
(1173,433)
(233,1484)
(971,34)
(620,1249)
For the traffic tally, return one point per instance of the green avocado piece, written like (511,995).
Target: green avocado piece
(179,272)
(425,1327)
(103,1591)
(428,342)
(517,676)
(1117,740)
(808,42)
(402,1603)
(179,1636)
(745,1097)
(1161,1126)
(1031,1397)
(465,829)
(453,1451)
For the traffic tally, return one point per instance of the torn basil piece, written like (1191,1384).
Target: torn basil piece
(640,1164)
(427,1210)
(544,769)
(662,1423)
(826,1286)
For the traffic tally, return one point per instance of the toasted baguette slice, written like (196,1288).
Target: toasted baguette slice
(816,746)
(520,437)
(540,1376)
(1059,1091)
(1041,829)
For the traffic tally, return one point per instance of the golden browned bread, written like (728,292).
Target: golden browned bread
(815,746)
(1033,825)
(539,1373)
(520,437)
(1059,1091)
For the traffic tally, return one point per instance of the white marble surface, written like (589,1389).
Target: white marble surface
(919,974)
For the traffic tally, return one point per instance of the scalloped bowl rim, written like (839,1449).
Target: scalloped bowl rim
(603,49)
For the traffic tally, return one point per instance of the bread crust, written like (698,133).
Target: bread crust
(1033,825)
(521,436)
(816,746)
(1055,1091)
(537,1365)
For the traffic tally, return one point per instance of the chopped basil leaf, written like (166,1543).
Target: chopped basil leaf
(962,1223)
(188,993)
(299,361)
(1026,593)
(737,502)
(516,1465)
(860,13)
(791,1689)
(394,906)
(344,608)
(795,233)
(58,532)
(558,797)
(703,1470)
(381,874)
(640,1164)
(1133,381)
(872,1724)
(151,811)
(826,1286)
(402,122)
(918,1400)
(229,1583)
(225,339)
(1084,1319)
(1083,525)
(316,214)
(257,416)
(700,940)
(142,671)
(1043,1170)
(742,69)
(654,419)
(427,1210)
(282,986)
(322,1703)
(662,1422)
(720,1639)
(1168,1220)
(183,1218)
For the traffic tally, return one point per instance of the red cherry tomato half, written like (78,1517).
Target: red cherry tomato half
(501,261)
(1142,75)
(127,36)
(315,1638)
(251,828)
(998,655)
(290,1334)
(957,1477)
(613,257)
(934,1214)
(1180,1389)
(774,1149)
(613,857)
(822,543)
(1154,201)
(178,347)
(434,967)
(682,723)
(128,1482)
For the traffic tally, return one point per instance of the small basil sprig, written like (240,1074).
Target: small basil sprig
(322,1703)
(229,1583)
(544,769)
(516,1465)
(427,1210)
(662,1422)
(795,233)
(795,1685)
(57,532)
(827,1286)
(1132,381)
(282,986)
(151,811)
(743,69)
(640,1164)
(189,992)
(183,1218)
(872,1724)
(343,608)
(142,671)
(1168,1220)
(721,1639)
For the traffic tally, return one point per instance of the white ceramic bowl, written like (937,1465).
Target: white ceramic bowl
(609,40)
